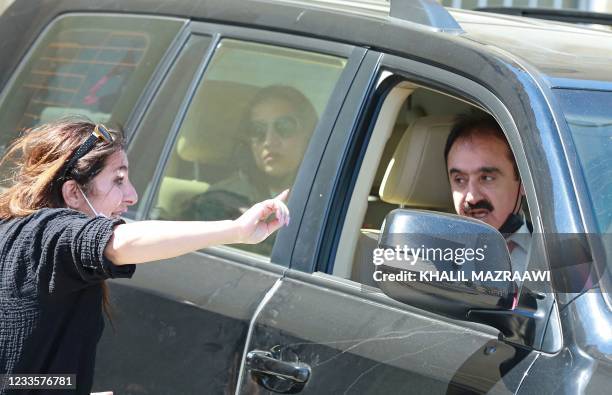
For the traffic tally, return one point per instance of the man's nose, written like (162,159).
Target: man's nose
(473,194)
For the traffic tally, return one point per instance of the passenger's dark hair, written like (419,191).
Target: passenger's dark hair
(303,107)
(481,124)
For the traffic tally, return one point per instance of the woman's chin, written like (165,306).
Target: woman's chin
(273,171)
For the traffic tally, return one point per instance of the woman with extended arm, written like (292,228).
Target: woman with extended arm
(61,237)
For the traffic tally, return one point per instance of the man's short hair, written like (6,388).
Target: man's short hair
(481,124)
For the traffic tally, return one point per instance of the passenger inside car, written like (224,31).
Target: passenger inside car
(407,151)
(274,135)
(485,181)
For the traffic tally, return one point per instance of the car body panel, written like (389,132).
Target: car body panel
(386,347)
(186,326)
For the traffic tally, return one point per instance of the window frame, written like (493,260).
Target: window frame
(445,82)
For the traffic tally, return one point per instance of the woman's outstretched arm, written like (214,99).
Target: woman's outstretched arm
(147,241)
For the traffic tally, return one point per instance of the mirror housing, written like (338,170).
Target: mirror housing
(443,263)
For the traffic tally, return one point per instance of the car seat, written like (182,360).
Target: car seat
(415,177)
(206,145)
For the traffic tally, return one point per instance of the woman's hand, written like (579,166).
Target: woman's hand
(254,226)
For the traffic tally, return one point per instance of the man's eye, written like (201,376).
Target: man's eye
(459,180)
(488,178)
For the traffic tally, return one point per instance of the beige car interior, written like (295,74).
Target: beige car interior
(206,144)
(403,168)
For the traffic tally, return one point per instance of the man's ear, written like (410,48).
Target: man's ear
(71,194)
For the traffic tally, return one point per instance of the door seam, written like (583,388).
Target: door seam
(247,342)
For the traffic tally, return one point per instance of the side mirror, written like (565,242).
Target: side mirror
(444,263)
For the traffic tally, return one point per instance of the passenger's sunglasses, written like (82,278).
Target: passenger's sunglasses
(285,126)
(100,133)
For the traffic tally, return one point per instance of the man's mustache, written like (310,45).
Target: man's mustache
(479,205)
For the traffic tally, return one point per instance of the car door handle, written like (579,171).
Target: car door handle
(263,362)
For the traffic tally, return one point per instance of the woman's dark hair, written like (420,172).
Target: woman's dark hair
(35,161)
(37,158)
(303,107)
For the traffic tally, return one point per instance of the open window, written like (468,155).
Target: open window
(403,167)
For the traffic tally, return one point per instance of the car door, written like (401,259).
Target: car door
(179,326)
(320,330)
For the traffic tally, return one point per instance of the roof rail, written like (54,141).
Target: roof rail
(424,12)
(551,14)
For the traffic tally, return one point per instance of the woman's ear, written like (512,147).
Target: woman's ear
(71,195)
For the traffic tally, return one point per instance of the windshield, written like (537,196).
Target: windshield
(589,116)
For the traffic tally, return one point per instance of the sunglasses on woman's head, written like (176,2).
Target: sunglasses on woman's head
(285,126)
(100,132)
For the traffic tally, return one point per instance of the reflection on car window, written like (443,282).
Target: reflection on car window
(96,66)
(149,139)
(246,131)
(589,116)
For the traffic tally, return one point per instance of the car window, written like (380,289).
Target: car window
(589,116)
(91,65)
(404,167)
(245,132)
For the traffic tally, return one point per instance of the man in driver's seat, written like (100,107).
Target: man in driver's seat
(485,181)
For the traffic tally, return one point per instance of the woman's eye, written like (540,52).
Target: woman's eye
(286,126)
(257,131)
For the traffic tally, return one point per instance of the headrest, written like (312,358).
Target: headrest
(211,128)
(416,175)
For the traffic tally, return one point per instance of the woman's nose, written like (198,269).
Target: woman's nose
(271,137)
(130,195)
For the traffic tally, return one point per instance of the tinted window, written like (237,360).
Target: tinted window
(245,132)
(145,151)
(589,116)
(95,66)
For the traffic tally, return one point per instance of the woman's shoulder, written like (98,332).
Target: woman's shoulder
(49,214)
(43,218)
(46,214)
(40,225)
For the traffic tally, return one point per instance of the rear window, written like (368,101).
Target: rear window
(91,65)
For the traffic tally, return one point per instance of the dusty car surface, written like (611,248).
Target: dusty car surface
(205,89)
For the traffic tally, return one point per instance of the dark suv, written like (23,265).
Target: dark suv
(351,89)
